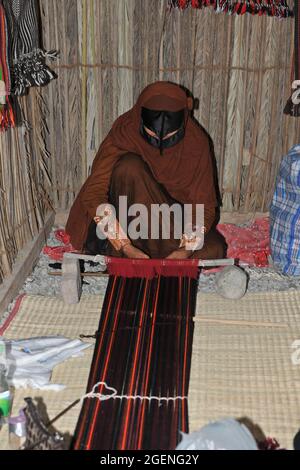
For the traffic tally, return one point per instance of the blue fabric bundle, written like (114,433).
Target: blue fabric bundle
(285,215)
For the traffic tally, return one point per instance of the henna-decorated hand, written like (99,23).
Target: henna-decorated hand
(181,253)
(130,251)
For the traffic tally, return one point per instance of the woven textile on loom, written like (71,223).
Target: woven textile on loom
(27,58)
(142,353)
(277,8)
(7,118)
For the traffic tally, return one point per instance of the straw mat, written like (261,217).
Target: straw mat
(241,362)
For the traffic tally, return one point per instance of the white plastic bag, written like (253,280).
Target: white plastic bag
(30,361)
(226,434)
(2,351)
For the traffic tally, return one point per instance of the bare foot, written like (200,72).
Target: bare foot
(181,253)
(132,252)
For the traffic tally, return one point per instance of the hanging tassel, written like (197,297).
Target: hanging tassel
(278,8)
(269,444)
(182,4)
(292,107)
(30,70)
(7,118)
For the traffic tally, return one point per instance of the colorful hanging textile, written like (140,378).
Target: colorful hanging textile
(277,8)
(142,353)
(28,59)
(7,118)
(293,105)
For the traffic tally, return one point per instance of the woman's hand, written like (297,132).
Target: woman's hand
(130,251)
(181,253)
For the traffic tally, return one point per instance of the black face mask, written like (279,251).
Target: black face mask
(162,123)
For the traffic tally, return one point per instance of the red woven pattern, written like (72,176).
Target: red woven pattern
(150,268)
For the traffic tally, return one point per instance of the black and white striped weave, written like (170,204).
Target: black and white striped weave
(28,59)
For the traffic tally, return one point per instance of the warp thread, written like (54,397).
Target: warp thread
(114,395)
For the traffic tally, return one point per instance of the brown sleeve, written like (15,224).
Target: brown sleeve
(209,217)
(204,181)
(95,190)
(203,188)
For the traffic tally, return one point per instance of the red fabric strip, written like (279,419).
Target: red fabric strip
(12,314)
(149,269)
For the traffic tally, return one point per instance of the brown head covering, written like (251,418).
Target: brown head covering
(185,170)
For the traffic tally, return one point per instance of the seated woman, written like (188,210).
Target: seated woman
(155,154)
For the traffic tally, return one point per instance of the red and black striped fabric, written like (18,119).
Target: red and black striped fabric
(277,8)
(7,117)
(152,267)
(143,347)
